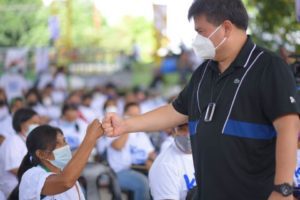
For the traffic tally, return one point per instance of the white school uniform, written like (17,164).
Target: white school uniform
(33,181)
(172,174)
(12,152)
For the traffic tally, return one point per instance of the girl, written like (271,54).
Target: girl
(48,171)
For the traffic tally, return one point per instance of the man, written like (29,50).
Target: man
(13,149)
(172,174)
(242,110)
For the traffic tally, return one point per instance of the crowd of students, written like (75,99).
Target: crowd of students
(43,126)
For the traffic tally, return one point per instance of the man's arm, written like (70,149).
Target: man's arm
(158,119)
(287,128)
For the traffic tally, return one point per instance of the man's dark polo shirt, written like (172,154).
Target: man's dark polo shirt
(234,154)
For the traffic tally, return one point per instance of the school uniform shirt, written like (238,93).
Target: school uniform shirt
(74,132)
(33,181)
(12,152)
(171,175)
(166,143)
(2,197)
(88,113)
(297,171)
(118,159)
(14,84)
(140,147)
(6,126)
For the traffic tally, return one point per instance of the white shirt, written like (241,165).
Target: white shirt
(12,152)
(172,174)
(118,159)
(6,126)
(2,197)
(60,81)
(32,184)
(140,147)
(166,143)
(88,113)
(297,171)
(14,84)
(136,149)
(74,132)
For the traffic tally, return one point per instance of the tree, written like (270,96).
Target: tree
(273,23)
(23,23)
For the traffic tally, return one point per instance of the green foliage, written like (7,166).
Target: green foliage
(276,18)
(23,23)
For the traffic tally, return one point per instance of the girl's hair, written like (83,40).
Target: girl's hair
(41,138)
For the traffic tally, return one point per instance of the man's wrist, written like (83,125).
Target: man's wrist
(285,189)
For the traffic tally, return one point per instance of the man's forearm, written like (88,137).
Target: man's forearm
(287,128)
(156,120)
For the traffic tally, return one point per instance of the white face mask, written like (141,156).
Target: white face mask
(30,128)
(183,142)
(203,46)
(110,109)
(62,156)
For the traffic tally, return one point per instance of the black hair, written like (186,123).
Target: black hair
(217,11)
(22,115)
(66,107)
(34,91)
(130,104)
(41,138)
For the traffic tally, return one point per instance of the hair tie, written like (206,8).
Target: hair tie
(30,158)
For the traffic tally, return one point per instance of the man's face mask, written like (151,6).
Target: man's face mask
(183,142)
(203,46)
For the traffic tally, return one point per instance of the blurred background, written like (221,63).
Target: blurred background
(143,43)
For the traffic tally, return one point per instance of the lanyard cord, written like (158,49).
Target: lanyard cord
(221,91)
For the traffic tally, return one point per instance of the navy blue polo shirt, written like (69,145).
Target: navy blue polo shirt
(234,153)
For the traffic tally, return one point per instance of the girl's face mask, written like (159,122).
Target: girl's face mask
(62,156)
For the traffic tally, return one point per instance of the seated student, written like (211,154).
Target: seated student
(172,173)
(141,149)
(5,118)
(72,126)
(119,157)
(48,170)
(13,149)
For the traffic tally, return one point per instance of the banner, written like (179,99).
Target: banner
(297,10)
(160,18)
(53,25)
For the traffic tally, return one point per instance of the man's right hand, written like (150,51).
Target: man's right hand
(113,125)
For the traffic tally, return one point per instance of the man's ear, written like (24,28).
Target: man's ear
(228,28)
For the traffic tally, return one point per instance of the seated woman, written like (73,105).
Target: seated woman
(48,171)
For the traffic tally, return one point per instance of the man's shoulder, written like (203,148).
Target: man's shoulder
(268,54)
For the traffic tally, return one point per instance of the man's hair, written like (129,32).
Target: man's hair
(22,115)
(217,11)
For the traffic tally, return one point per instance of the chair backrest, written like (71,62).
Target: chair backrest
(108,179)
